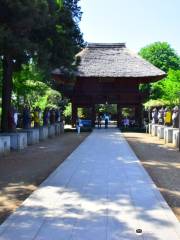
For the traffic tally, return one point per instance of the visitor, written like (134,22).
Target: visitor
(78,125)
(99,119)
(106,119)
(126,122)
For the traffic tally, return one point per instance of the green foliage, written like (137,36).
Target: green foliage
(59,2)
(46,31)
(127,112)
(68,110)
(106,108)
(161,55)
(165,91)
(167,88)
(20,20)
(28,86)
(67,113)
(155,103)
(64,39)
(51,99)
(170,87)
(85,113)
(25,79)
(29,89)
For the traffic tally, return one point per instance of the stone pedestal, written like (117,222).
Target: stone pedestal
(150,128)
(43,133)
(51,131)
(176,137)
(168,135)
(160,131)
(18,140)
(32,135)
(4,144)
(154,129)
(57,129)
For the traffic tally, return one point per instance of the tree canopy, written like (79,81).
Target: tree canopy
(44,30)
(171,86)
(161,55)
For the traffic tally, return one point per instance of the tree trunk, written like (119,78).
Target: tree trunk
(6,94)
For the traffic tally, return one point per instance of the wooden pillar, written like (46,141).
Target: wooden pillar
(138,114)
(119,115)
(74,114)
(93,118)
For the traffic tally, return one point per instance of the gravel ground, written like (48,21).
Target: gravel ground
(21,172)
(162,163)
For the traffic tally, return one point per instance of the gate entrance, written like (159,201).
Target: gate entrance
(107,73)
(107,109)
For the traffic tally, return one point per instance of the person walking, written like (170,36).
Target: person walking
(78,125)
(106,119)
(99,119)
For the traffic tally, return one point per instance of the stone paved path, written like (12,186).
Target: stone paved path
(101,192)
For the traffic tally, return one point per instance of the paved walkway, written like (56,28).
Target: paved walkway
(101,192)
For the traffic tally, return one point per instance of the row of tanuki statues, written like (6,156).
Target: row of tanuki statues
(27,118)
(166,116)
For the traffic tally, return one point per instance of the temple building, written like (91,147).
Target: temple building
(108,73)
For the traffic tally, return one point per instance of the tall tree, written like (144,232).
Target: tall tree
(162,55)
(17,45)
(44,30)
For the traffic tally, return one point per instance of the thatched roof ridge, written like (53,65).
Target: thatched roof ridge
(114,60)
(106,45)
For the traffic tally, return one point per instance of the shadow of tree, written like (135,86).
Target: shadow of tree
(21,172)
(86,199)
(162,163)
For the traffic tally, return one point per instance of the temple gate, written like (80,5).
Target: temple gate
(108,73)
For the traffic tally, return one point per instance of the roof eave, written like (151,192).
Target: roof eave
(141,79)
(150,79)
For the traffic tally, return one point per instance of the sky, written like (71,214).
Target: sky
(135,22)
